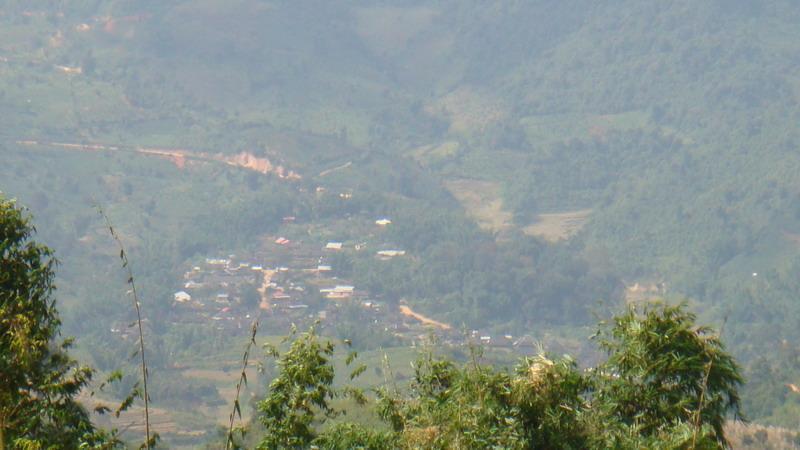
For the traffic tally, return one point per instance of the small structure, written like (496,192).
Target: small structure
(324,268)
(182,297)
(217,261)
(526,341)
(70,70)
(282,241)
(386,254)
(339,291)
(333,246)
(191,284)
(383,222)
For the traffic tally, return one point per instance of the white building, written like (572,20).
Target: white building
(391,253)
(182,297)
(191,284)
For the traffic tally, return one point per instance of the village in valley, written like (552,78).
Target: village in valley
(291,279)
(289,282)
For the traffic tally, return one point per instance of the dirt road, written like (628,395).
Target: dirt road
(408,312)
(264,286)
(179,157)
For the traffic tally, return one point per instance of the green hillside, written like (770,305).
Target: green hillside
(541,162)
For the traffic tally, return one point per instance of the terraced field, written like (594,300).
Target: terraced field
(481,199)
(554,227)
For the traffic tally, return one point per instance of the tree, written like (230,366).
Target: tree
(667,384)
(663,369)
(38,379)
(299,399)
(302,389)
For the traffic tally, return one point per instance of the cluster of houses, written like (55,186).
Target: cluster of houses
(288,282)
(284,281)
(524,343)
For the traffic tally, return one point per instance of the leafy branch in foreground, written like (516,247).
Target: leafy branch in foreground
(149,440)
(664,368)
(39,381)
(299,397)
(661,370)
(698,413)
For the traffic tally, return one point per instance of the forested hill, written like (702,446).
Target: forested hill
(568,106)
(651,143)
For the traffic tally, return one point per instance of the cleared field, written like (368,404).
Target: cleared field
(747,436)
(469,110)
(220,376)
(482,201)
(432,154)
(131,422)
(554,227)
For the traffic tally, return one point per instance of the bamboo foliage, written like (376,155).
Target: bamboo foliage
(150,439)
(237,410)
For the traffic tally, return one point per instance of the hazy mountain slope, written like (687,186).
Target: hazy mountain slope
(674,123)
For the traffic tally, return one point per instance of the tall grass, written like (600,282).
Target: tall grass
(137,306)
(237,409)
(697,424)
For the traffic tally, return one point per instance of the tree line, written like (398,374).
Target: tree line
(666,383)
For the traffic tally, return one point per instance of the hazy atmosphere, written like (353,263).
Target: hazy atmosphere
(416,224)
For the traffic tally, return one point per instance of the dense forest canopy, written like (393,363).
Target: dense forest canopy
(542,164)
